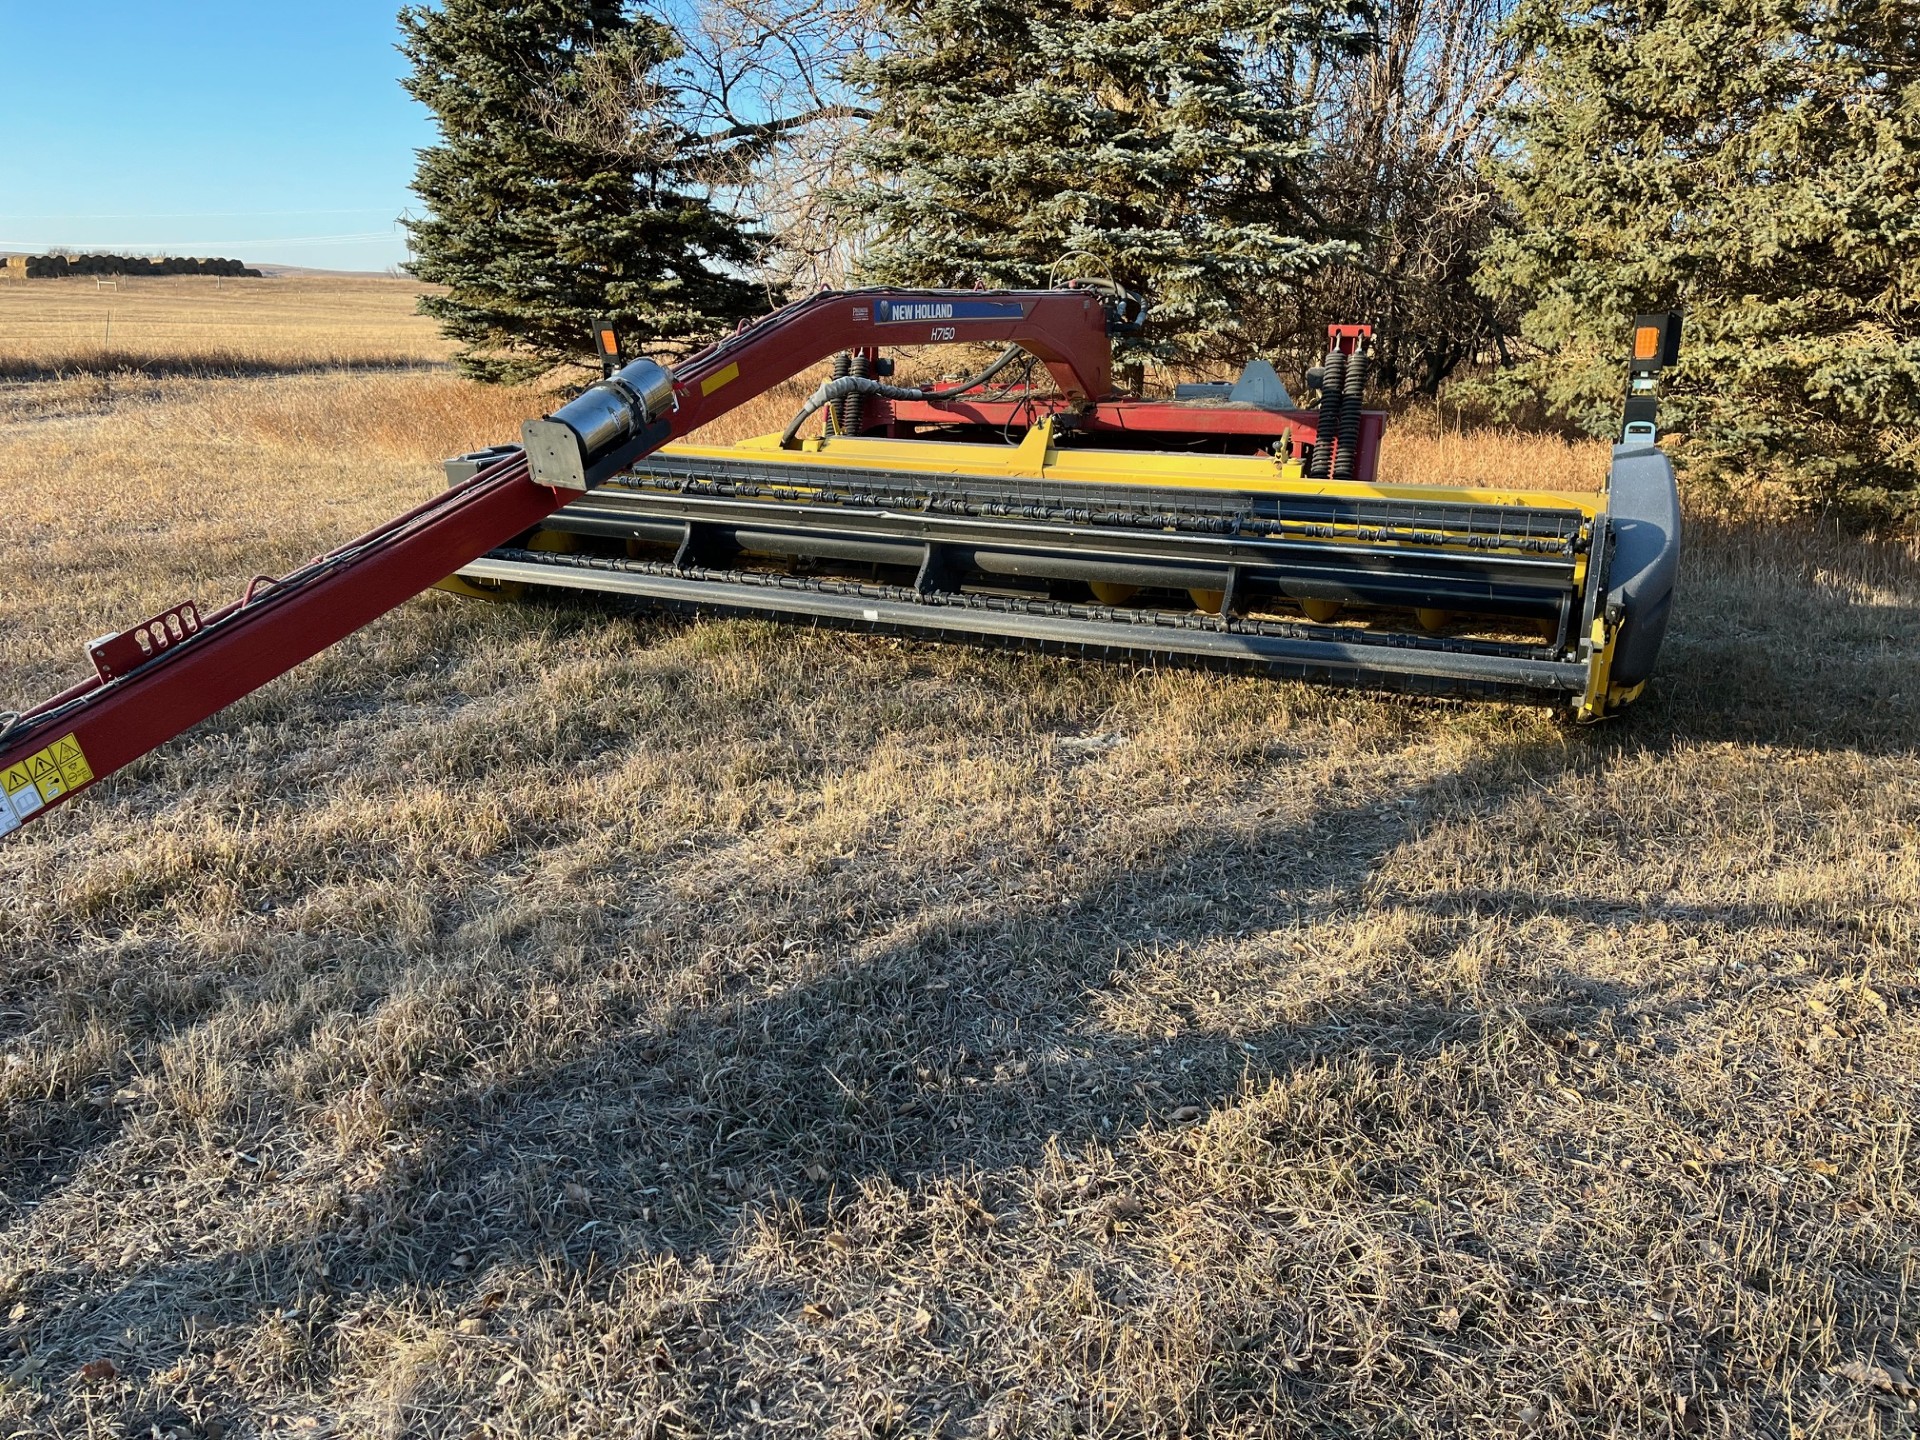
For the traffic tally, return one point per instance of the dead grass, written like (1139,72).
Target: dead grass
(195,325)
(553,1021)
(1421,448)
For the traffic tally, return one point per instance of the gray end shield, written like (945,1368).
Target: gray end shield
(1644,509)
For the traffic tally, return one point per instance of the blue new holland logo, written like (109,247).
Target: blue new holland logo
(893,312)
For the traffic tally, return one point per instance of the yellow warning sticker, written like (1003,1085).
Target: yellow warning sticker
(723,377)
(46,775)
(73,763)
(23,796)
(31,784)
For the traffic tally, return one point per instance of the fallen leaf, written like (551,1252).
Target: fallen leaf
(819,1314)
(1125,1207)
(1185,1115)
(1449,1320)
(579,1194)
(1883,1377)
(99,1370)
(840,1241)
(817,1173)
(473,1325)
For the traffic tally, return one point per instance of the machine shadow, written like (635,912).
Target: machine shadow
(951,1058)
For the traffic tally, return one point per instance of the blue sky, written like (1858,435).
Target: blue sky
(272,132)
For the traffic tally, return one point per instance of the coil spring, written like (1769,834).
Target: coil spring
(853,407)
(1332,401)
(840,364)
(1348,455)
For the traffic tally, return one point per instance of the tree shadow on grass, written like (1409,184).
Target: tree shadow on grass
(976,1047)
(968,1052)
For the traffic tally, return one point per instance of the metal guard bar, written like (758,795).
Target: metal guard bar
(1312,652)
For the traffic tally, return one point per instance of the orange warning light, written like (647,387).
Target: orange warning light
(1646,342)
(609,343)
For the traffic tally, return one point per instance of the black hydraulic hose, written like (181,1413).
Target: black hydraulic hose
(834,390)
(1349,452)
(1332,398)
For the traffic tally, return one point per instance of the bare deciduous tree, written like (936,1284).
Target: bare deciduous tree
(756,90)
(1405,130)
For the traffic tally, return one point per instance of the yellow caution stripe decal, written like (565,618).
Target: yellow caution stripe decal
(28,786)
(715,381)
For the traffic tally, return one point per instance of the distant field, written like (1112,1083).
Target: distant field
(564,1021)
(171,324)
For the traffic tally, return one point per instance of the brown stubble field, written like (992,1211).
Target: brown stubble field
(565,1021)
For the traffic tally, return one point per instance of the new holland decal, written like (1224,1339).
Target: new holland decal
(896,312)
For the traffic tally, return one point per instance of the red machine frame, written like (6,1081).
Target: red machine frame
(1269,429)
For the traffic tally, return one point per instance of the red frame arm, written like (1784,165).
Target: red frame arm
(58,748)
(1066,329)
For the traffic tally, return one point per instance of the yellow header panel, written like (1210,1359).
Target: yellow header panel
(1036,458)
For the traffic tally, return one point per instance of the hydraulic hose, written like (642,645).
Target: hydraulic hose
(845,385)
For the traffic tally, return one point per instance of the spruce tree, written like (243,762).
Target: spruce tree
(1756,162)
(549,205)
(1018,142)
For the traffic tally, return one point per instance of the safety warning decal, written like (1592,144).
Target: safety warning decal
(28,786)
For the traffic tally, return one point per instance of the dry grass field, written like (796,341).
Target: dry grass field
(563,1021)
(189,325)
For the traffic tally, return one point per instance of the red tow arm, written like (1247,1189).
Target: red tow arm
(191,666)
